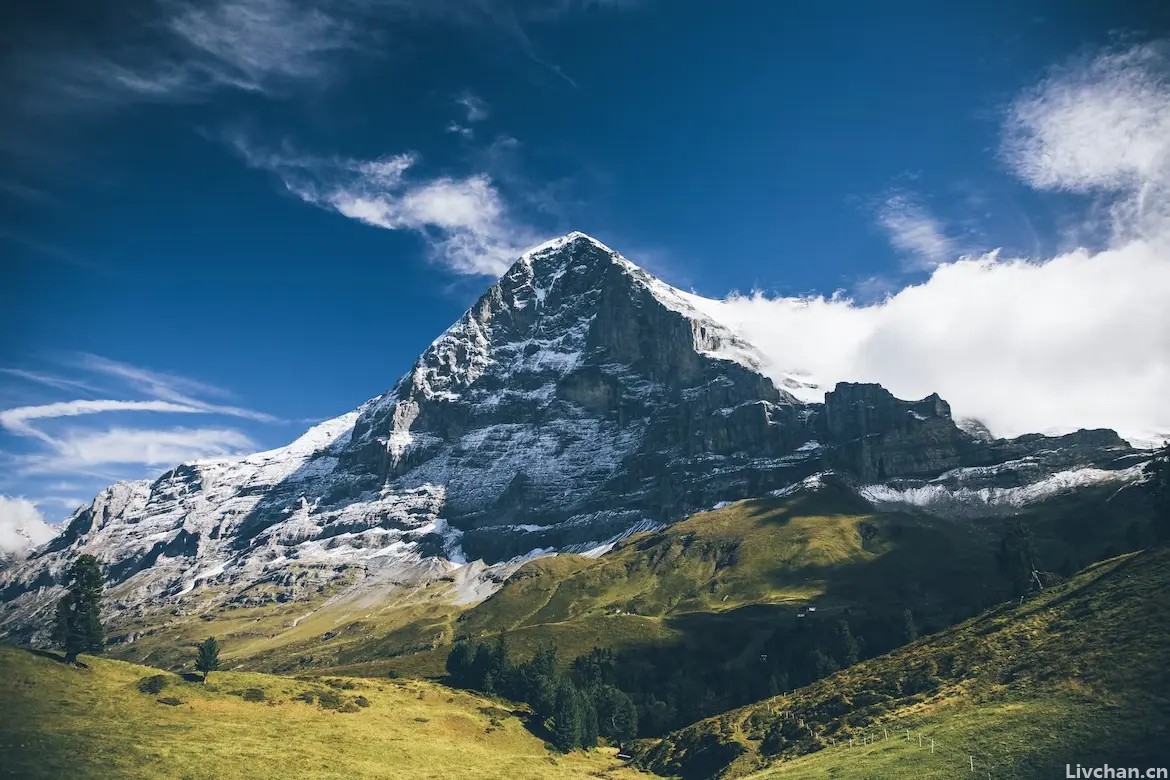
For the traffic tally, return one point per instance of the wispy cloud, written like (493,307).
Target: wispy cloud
(20,419)
(49,380)
(252,45)
(475,109)
(71,438)
(461,130)
(184,50)
(915,232)
(138,446)
(464,220)
(170,387)
(1101,125)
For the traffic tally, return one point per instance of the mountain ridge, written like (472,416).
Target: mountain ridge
(579,400)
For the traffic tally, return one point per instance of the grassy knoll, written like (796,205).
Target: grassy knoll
(777,553)
(60,721)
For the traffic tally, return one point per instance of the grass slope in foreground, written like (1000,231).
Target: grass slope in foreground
(60,721)
(1079,673)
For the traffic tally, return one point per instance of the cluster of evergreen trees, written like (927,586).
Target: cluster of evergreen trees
(579,707)
(651,690)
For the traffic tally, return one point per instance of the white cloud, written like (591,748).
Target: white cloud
(170,387)
(475,108)
(18,420)
(104,452)
(1080,340)
(1101,126)
(252,43)
(21,527)
(1077,340)
(913,230)
(460,130)
(48,380)
(464,221)
(159,384)
(140,446)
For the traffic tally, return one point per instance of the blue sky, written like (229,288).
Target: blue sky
(224,220)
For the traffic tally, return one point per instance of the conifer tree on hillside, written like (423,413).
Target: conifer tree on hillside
(566,718)
(78,626)
(850,652)
(459,662)
(587,713)
(207,658)
(617,718)
(909,629)
(1016,556)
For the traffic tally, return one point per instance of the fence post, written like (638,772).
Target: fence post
(907,735)
(932,745)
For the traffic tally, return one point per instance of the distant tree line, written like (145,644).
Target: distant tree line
(651,690)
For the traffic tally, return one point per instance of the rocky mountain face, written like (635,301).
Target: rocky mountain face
(578,401)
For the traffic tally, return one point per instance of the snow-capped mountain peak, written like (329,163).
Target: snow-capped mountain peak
(578,400)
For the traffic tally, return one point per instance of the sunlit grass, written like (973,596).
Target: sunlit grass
(60,721)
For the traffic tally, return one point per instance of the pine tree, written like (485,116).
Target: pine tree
(822,664)
(850,653)
(1017,556)
(909,630)
(566,718)
(482,666)
(597,667)
(587,718)
(459,662)
(207,658)
(541,693)
(544,663)
(78,627)
(617,718)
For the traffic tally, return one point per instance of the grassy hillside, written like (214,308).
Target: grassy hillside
(95,722)
(1077,673)
(331,628)
(693,609)
(736,572)
(738,568)
(742,568)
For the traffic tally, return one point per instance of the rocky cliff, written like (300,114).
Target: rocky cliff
(579,400)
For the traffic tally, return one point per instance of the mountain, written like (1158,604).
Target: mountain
(579,401)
